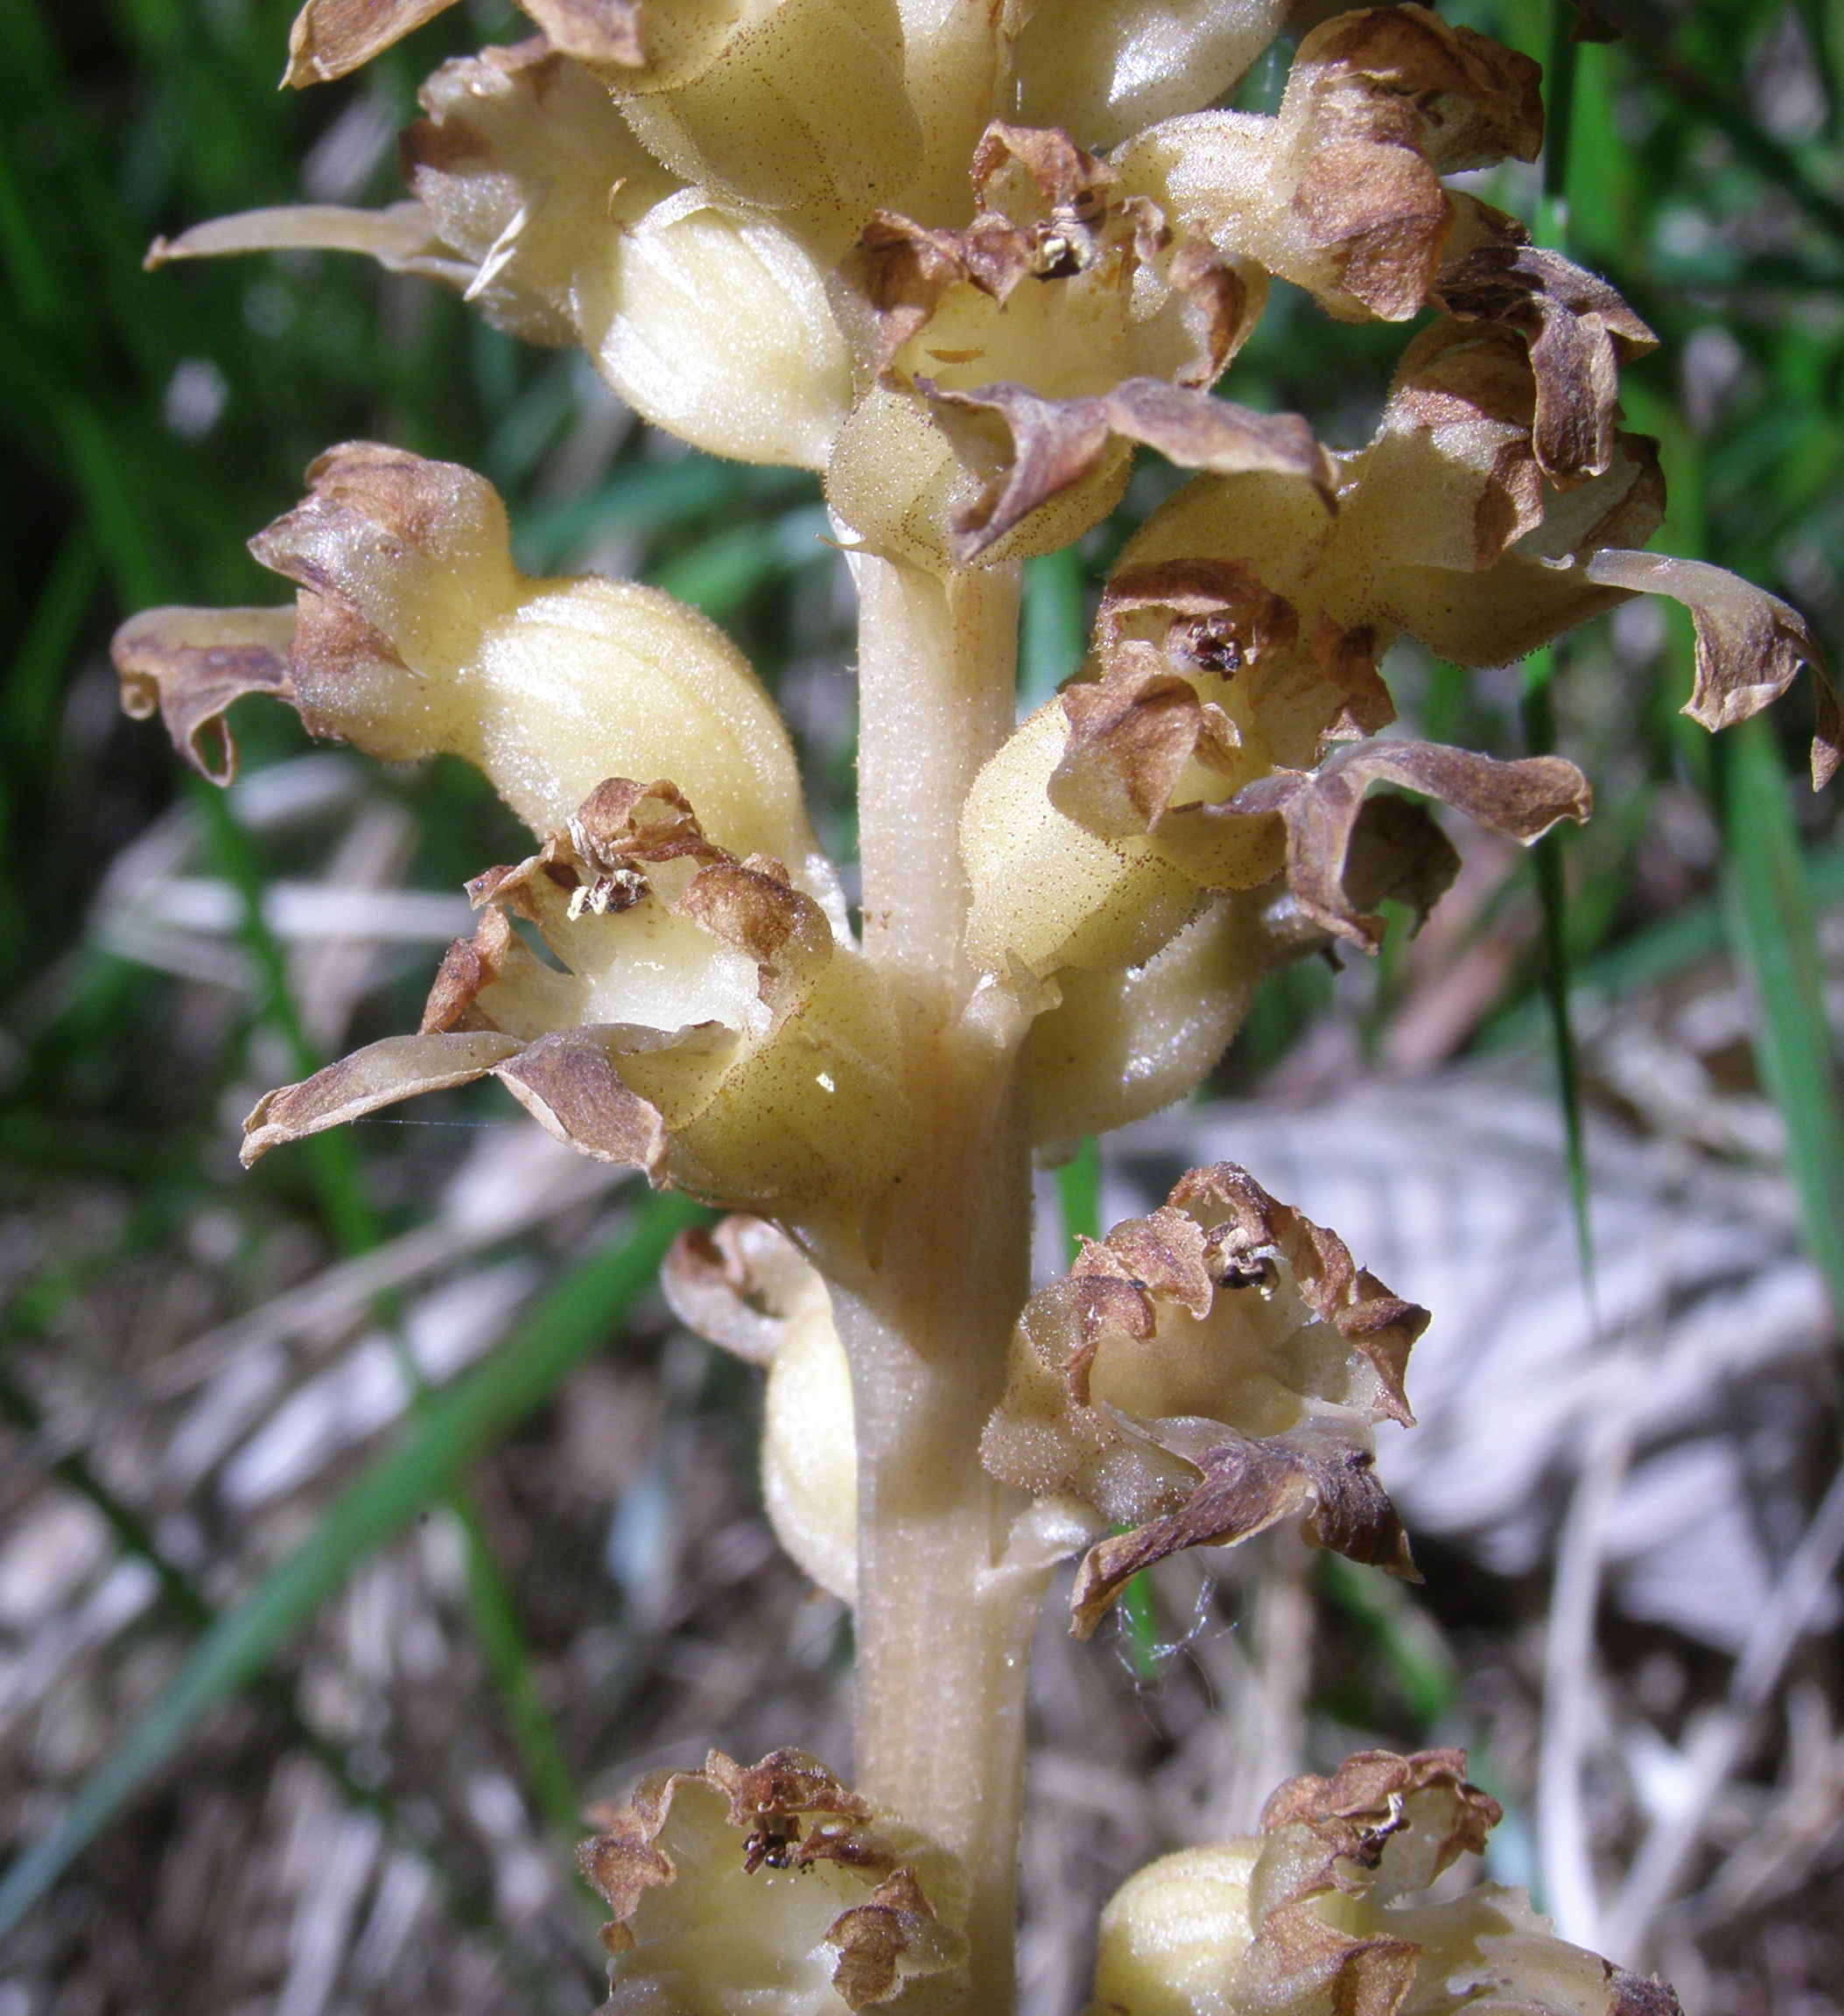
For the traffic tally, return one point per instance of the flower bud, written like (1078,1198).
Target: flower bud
(746,1287)
(773,1885)
(1118,1045)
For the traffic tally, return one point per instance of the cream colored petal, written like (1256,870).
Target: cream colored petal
(1119,1046)
(402,237)
(1106,68)
(804,111)
(777,390)
(809,1454)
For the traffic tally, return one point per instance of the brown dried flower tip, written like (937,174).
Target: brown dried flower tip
(331,38)
(1317,1914)
(739,1882)
(1203,1374)
(190,665)
(1340,192)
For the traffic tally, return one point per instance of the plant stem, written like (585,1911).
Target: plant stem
(942,1657)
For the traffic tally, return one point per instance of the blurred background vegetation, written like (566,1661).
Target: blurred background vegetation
(328,1659)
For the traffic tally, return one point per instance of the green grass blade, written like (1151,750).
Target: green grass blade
(438,1445)
(1078,1190)
(1538,712)
(1547,871)
(1054,632)
(1768,907)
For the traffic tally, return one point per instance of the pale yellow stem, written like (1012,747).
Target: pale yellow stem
(940,1659)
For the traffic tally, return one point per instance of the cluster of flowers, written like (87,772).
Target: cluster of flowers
(963,261)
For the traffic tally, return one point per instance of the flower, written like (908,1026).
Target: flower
(1495,507)
(772,1886)
(1318,1912)
(1202,1374)
(1148,843)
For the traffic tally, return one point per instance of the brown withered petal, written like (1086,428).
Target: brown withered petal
(566,1081)
(593,30)
(379,1074)
(1388,100)
(786,1781)
(1130,735)
(1397,852)
(469,965)
(1071,181)
(1056,442)
(192,664)
(900,271)
(331,38)
(734,1283)
(1750,645)
(1481,102)
(1318,1473)
(1358,1808)
(751,906)
(872,1938)
(1579,332)
(395,494)
(1521,798)
(569,1082)
(624,819)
